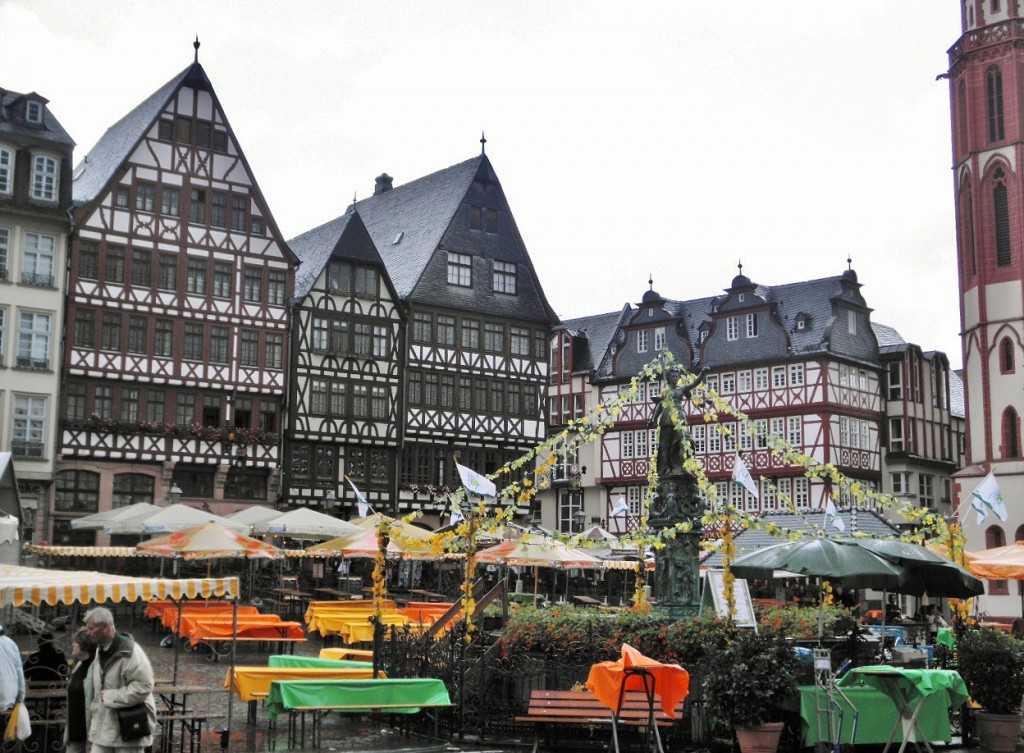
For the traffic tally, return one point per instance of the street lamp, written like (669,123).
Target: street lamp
(174,494)
(579,518)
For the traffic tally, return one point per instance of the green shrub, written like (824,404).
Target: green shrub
(992,665)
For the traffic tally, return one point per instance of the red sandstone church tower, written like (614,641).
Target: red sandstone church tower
(986,80)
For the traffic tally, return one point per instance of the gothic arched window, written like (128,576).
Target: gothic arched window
(1001,209)
(994,101)
(1006,364)
(1011,434)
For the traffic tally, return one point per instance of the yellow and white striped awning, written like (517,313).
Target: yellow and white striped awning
(36,585)
(86,551)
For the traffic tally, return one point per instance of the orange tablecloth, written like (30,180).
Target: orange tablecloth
(190,621)
(253,683)
(249,627)
(169,617)
(671,682)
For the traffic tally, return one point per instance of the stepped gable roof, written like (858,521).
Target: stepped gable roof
(596,333)
(315,247)
(857,521)
(10,122)
(98,166)
(421,211)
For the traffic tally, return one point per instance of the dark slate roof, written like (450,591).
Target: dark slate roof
(596,334)
(857,521)
(421,211)
(313,249)
(888,338)
(10,122)
(99,165)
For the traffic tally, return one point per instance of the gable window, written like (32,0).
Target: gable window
(994,103)
(252,287)
(113,264)
(222,274)
(170,201)
(460,270)
(256,226)
(239,212)
(1006,365)
(659,338)
(38,259)
(141,276)
(470,334)
(339,278)
(145,197)
(446,330)
(1011,434)
(732,328)
(44,178)
(6,170)
(195,277)
(895,378)
(1001,208)
(83,336)
(193,342)
(33,340)
(197,214)
(504,278)
(366,282)
(422,326)
(751,325)
(122,197)
(642,341)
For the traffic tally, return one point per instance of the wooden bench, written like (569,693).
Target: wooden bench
(581,708)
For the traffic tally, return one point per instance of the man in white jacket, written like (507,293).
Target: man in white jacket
(122,677)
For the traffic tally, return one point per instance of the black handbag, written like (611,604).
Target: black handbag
(134,721)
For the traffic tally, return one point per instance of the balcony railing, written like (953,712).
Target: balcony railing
(34,364)
(41,281)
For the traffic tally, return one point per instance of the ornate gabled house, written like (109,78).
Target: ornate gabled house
(475,359)
(177,319)
(35,194)
(800,360)
(348,346)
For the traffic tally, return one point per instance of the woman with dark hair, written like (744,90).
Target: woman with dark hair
(79,693)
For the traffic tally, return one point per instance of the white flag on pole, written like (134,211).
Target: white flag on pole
(361,502)
(986,496)
(476,483)
(456,516)
(619,508)
(832,512)
(741,475)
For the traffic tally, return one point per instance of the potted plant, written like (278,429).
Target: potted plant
(746,683)
(991,663)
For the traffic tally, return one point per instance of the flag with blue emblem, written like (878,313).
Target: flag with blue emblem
(987,497)
(476,483)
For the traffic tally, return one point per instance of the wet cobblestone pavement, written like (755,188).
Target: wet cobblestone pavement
(204,681)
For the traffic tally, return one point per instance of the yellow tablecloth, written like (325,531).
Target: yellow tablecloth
(253,683)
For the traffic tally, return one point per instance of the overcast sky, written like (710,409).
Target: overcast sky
(669,139)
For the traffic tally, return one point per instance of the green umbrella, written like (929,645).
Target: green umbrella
(833,559)
(926,572)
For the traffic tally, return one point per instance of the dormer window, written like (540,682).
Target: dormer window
(801,324)
(33,113)
(642,341)
(732,328)
(659,338)
(44,178)
(482,218)
(742,297)
(751,325)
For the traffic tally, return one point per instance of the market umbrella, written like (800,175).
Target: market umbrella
(103,519)
(927,572)
(1000,563)
(403,529)
(169,519)
(537,551)
(305,523)
(209,541)
(254,514)
(363,543)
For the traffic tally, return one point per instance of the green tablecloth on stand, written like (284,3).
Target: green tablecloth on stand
(355,695)
(307,662)
(876,715)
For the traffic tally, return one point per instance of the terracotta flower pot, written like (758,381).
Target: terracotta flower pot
(998,732)
(761,738)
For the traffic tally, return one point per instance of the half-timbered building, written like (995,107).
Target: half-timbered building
(801,360)
(475,358)
(176,353)
(35,193)
(348,344)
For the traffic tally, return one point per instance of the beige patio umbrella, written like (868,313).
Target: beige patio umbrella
(537,551)
(403,529)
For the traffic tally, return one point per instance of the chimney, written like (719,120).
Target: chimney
(382,183)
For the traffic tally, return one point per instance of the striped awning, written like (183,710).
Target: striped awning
(36,585)
(86,551)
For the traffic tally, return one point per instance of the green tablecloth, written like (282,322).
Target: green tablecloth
(924,682)
(304,662)
(876,715)
(945,637)
(356,695)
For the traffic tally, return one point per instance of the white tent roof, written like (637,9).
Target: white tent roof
(34,585)
(102,519)
(170,519)
(254,514)
(305,522)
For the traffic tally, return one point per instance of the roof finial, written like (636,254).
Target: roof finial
(483,143)
(650,281)
(849,262)
(354,198)
(739,263)
(195,46)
